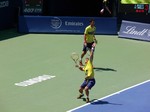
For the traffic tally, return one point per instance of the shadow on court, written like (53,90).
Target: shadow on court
(10,33)
(104,69)
(101,102)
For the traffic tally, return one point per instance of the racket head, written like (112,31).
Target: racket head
(75,56)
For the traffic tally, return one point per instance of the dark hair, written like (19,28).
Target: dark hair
(91,20)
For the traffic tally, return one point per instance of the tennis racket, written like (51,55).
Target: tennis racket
(75,57)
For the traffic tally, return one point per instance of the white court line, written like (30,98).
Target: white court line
(35,80)
(109,95)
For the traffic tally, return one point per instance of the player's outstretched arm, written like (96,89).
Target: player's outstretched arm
(80,68)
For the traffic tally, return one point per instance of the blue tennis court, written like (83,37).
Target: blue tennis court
(132,99)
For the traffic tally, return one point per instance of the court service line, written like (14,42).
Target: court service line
(110,95)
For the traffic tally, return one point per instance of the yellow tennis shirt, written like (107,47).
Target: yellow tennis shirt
(89,32)
(88,69)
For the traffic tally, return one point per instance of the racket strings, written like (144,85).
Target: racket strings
(75,56)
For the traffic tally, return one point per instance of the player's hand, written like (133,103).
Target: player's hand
(94,44)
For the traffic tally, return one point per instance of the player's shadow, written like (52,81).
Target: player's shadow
(101,102)
(84,99)
(104,69)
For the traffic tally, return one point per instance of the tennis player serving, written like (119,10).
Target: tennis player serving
(89,41)
(89,81)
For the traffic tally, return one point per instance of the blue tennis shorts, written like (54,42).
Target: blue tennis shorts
(90,83)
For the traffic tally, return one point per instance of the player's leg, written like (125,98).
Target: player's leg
(80,93)
(83,85)
(87,94)
(84,51)
(91,55)
(89,86)
(82,55)
(92,49)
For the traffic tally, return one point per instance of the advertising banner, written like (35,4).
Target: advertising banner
(63,24)
(135,30)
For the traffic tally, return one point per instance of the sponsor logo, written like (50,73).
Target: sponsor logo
(4,4)
(55,22)
(133,31)
(68,23)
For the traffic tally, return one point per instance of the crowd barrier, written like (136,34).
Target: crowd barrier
(63,24)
